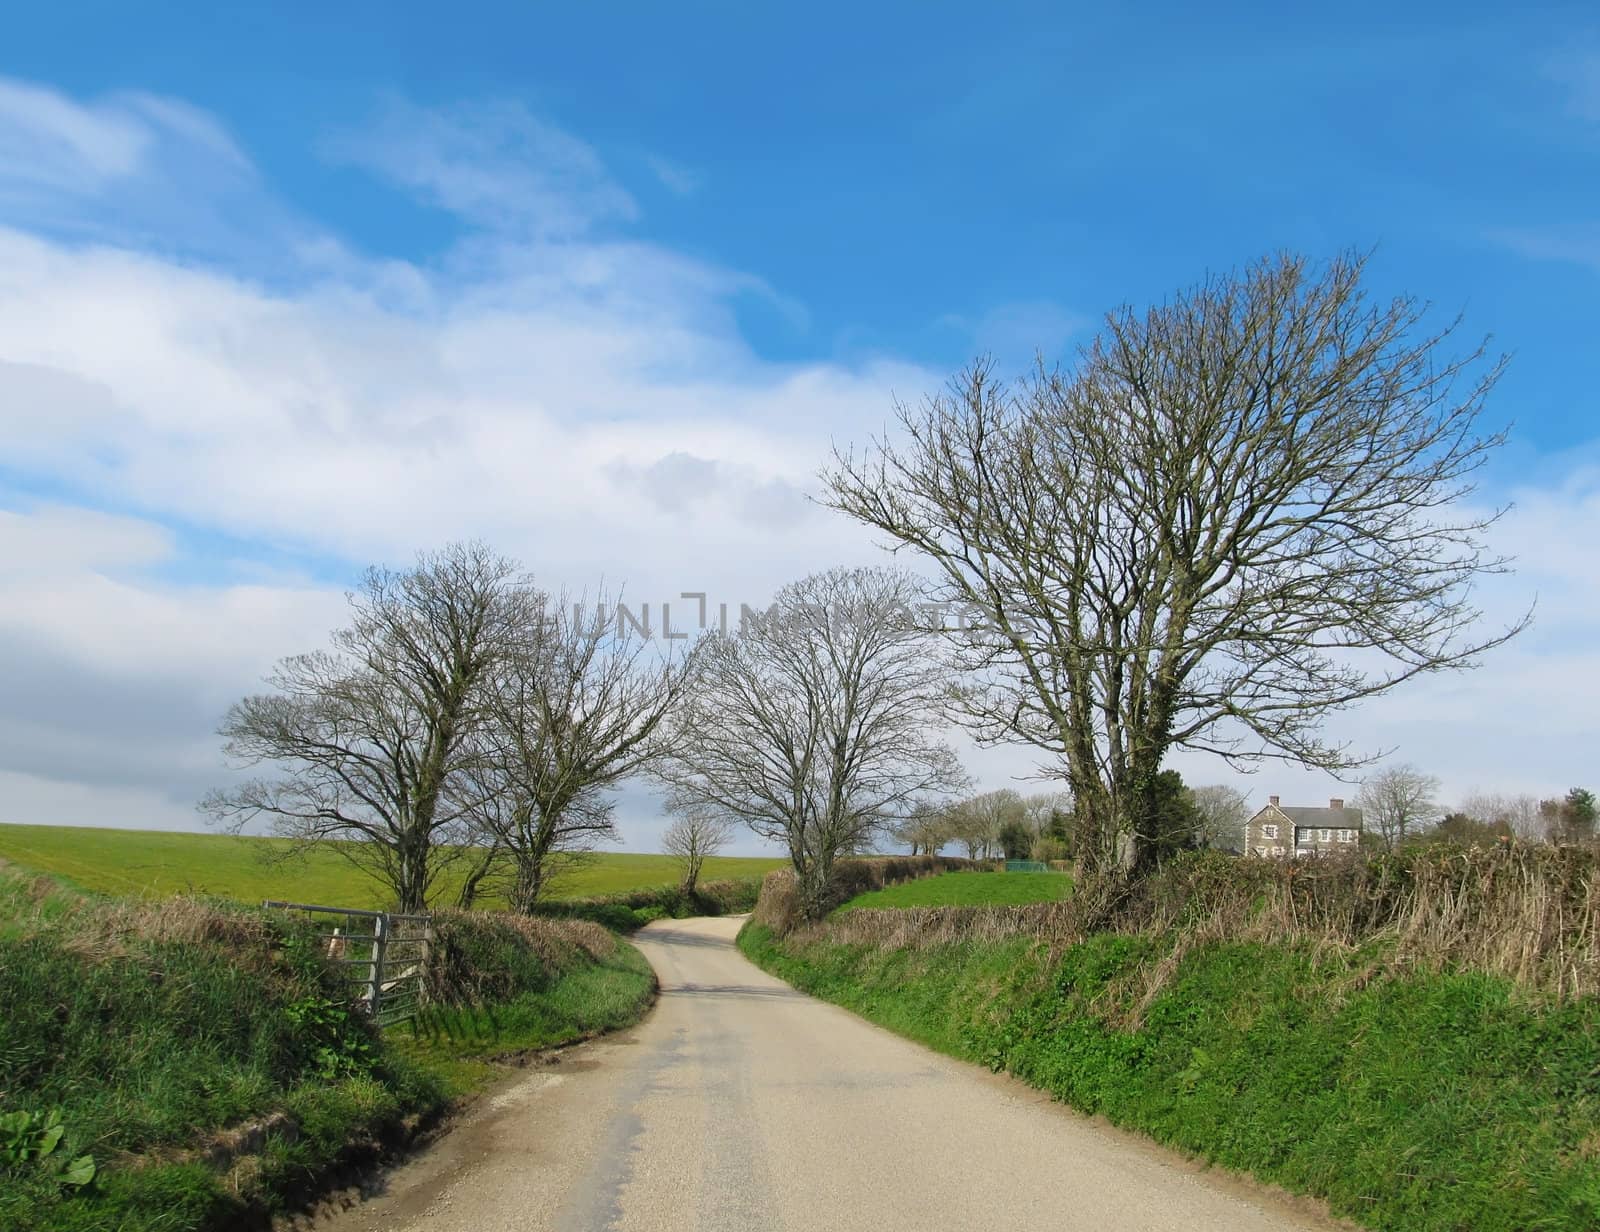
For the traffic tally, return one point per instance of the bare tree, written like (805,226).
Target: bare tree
(370,735)
(1049,818)
(1397,802)
(1520,813)
(977,821)
(694,835)
(969,826)
(925,828)
(1222,813)
(1234,514)
(812,724)
(1047,810)
(577,708)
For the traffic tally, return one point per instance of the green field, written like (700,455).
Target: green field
(153,864)
(967,890)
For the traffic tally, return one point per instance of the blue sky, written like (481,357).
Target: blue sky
(286,292)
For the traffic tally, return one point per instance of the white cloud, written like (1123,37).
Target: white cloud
(530,387)
(65,539)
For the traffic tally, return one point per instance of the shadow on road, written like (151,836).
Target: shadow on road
(731,990)
(672,936)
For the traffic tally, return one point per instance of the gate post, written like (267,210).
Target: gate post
(380,943)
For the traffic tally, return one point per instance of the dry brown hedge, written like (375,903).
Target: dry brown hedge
(480,957)
(475,957)
(1529,913)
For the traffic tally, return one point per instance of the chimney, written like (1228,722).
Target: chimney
(1336,803)
(1272,800)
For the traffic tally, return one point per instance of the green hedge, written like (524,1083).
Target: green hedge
(633,910)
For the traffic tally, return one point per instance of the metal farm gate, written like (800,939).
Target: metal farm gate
(381,954)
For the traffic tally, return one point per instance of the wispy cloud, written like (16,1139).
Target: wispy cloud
(50,143)
(496,165)
(1577,243)
(1577,71)
(675,177)
(1014,334)
(135,169)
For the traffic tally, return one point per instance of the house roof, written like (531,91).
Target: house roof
(1322,818)
(1326,818)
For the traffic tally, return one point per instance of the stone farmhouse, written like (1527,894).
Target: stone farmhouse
(1294,830)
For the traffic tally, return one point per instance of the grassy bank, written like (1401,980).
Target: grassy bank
(157,864)
(966,890)
(1406,1054)
(202,1057)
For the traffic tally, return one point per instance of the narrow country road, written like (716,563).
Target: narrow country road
(741,1105)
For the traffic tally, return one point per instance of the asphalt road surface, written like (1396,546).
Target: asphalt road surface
(741,1105)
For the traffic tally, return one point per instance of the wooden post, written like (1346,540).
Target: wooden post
(380,942)
(427,953)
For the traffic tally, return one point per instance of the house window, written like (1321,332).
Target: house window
(1325,836)
(1277,851)
(1347,836)
(1269,831)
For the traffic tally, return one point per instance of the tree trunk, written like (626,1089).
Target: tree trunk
(411,888)
(526,888)
(813,882)
(473,882)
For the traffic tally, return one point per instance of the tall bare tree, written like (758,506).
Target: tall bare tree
(1234,514)
(577,707)
(693,836)
(369,735)
(813,724)
(1398,801)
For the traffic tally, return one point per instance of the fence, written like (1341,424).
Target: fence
(381,954)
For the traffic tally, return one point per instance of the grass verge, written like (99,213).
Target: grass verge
(462,1044)
(1426,1100)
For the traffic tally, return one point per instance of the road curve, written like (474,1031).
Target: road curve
(741,1105)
